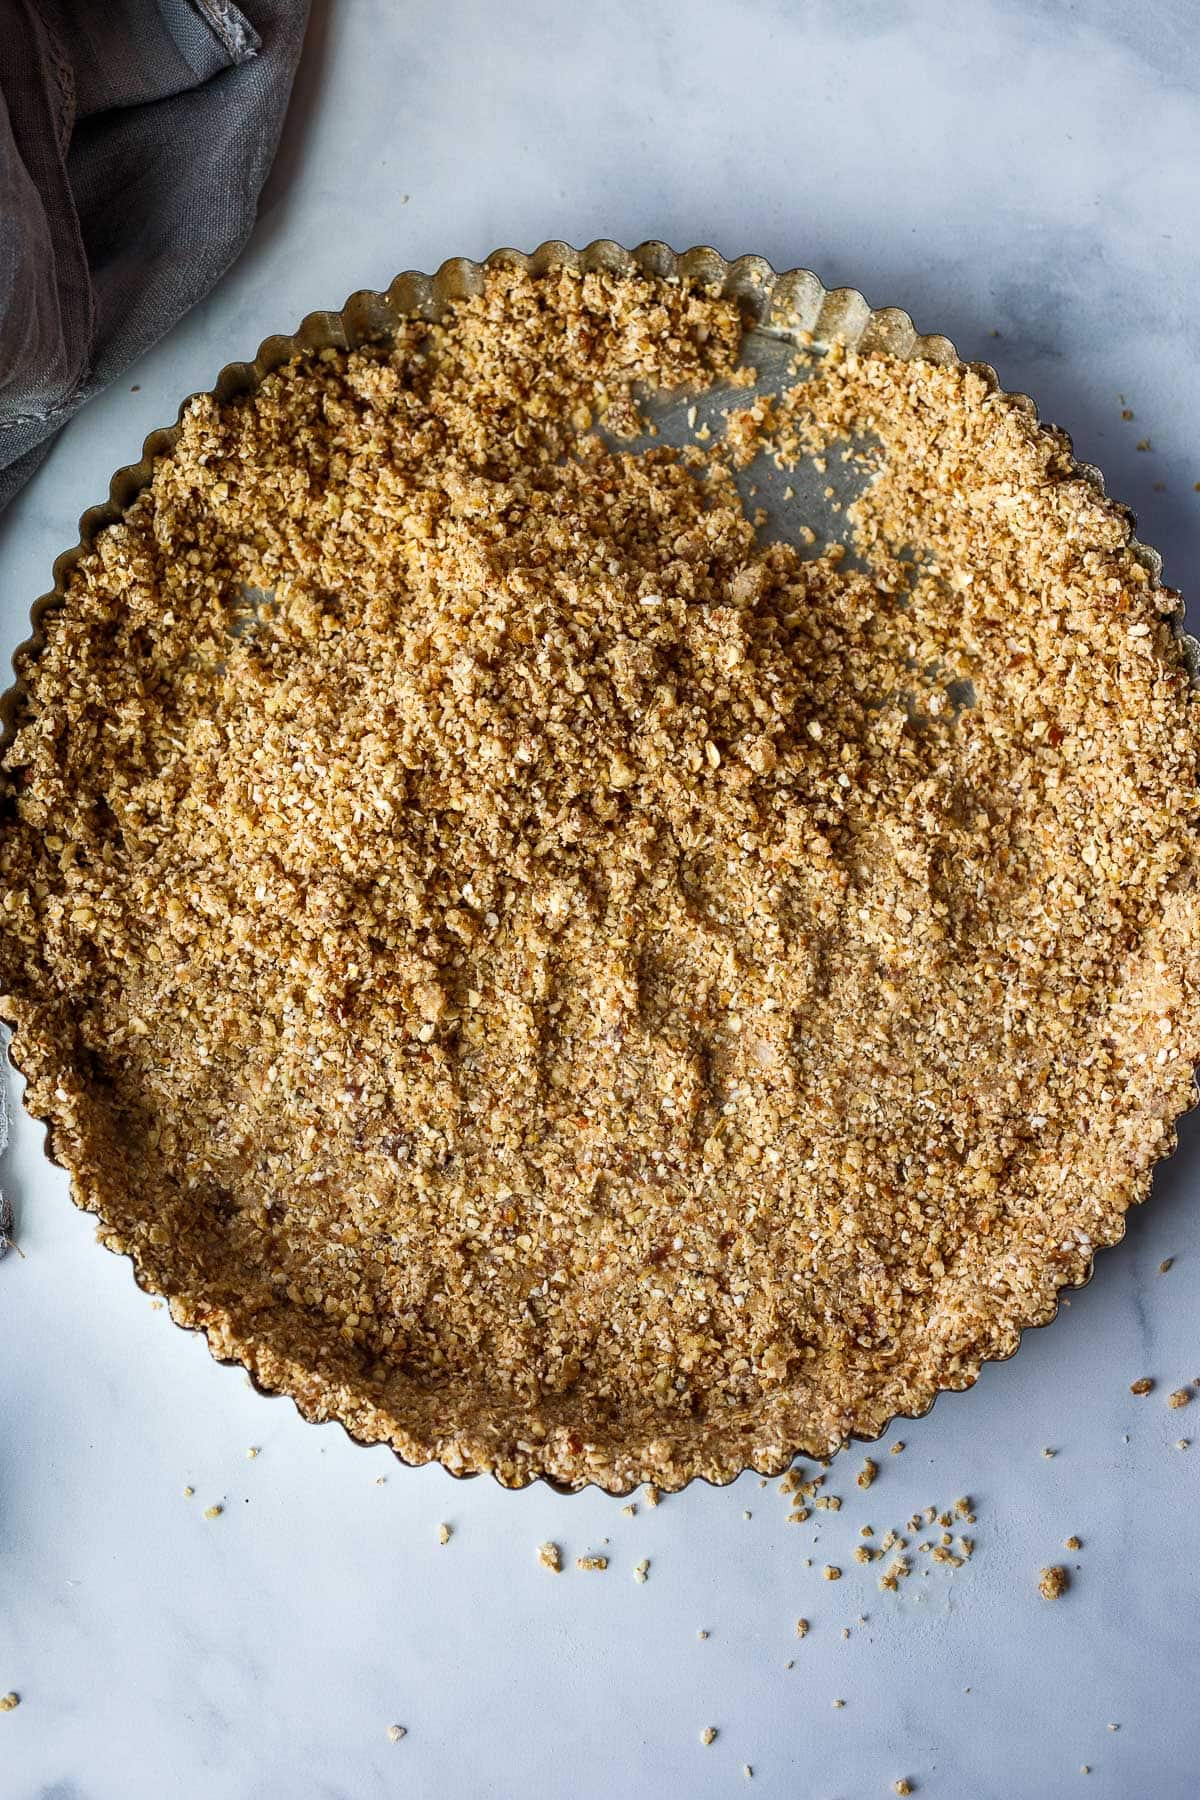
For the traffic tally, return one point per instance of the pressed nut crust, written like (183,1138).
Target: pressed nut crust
(565,987)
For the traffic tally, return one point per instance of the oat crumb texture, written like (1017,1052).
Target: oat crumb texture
(558,982)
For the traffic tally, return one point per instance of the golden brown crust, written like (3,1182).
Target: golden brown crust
(566,989)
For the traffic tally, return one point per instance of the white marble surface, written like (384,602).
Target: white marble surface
(1023,167)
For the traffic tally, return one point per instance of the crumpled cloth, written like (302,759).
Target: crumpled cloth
(135,137)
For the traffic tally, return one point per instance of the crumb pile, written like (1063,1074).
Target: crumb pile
(566,987)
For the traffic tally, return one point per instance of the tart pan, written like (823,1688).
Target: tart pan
(780,309)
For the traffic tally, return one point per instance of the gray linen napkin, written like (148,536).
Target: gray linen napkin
(135,136)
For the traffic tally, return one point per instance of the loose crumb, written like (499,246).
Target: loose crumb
(839,1703)
(747,1771)
(651,1495)
(1073,1543)
(801,1628)
(444,1533)
(588,1563)
(902,1786)
(898,1447)
(550,1557)
(396,1732)
(708,1735)
(642,1569)
(1143,1385)
(9,1702)
(1183,1443)
(1167,1262)
(1049,1452)
(629,1511)
(702,1635)
(1054,1582)
(543,809)
(251,1453)
(188,1492)
(831,1572)
(867,1473)
(1180,1397)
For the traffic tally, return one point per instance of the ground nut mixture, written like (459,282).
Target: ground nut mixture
(559,984)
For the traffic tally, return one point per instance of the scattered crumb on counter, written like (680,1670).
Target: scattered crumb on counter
(902,1786)
(898,1447)
(708,1735)
(1073,1543)
(396,1732)
(590,1563)
(652,1495)
(550,1557)
(642,1569)
(1180,1397)
(1054,1582)
(188,1492)
(831,1572)
(9,1702)
(444,1533)
(251,1453)
(1165,1264)
(1143,1385)
(801,1628)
